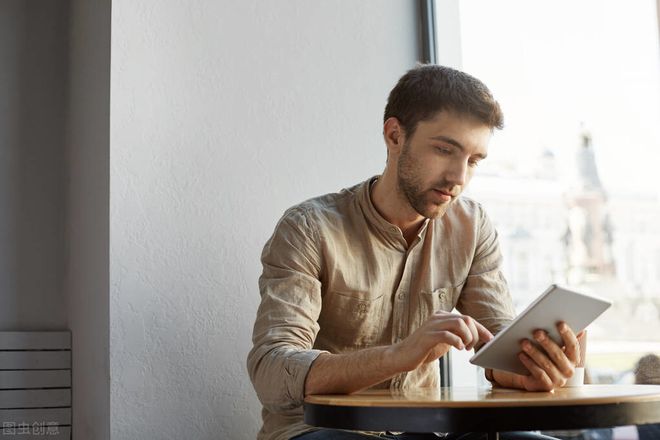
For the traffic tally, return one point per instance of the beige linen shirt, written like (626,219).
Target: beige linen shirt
(337,277)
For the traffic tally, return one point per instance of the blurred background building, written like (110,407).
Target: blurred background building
(570,231)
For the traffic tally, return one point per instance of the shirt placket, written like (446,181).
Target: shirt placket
(401,309)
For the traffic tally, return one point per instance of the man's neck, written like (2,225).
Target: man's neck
(392,204)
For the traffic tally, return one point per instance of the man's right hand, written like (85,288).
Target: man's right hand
(436,336)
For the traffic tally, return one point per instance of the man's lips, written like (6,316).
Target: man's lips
(445,196)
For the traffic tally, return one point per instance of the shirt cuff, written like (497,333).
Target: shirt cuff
(297,367)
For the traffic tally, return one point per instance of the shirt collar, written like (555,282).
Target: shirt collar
(387,230)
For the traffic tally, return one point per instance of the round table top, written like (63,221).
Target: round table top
(457,397)
(459,409)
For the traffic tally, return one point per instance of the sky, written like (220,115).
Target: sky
(559,66)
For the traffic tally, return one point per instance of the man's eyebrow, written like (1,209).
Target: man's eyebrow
(456,144)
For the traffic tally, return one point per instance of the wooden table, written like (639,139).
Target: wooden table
(486,410)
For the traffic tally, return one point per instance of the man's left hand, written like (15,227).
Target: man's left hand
(550,365)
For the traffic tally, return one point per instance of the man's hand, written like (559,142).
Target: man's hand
(550,365)
(436,336)
(357,370)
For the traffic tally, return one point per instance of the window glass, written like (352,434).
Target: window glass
(573,182)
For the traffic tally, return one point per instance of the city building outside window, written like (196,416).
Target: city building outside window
(573,182)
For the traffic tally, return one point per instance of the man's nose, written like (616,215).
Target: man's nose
(458,174)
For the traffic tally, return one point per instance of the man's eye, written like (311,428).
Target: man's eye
(473,163)
(443,150)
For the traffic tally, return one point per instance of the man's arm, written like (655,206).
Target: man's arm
(347,373)
(485,297)
(286,323)
(283,365)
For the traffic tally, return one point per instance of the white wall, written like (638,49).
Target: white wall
(223,114)
(33,69)
(87,225)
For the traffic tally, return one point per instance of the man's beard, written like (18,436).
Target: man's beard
(412,187)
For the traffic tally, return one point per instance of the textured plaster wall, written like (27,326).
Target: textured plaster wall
(33,70)
(223,114)
(87,219)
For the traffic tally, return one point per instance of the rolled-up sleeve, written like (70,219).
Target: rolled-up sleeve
(485,295)
(286,323)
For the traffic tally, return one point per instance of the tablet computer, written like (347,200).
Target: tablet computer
(555,304)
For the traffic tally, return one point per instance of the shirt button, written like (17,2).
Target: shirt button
(393,229)
(401,296)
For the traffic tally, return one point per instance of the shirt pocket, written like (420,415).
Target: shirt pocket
(439,299)
(353,318)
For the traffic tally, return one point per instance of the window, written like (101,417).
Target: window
(572,183)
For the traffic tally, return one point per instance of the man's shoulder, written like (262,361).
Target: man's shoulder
(327,206)
(468,216)
(466,208)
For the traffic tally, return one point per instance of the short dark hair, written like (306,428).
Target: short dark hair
(427,89)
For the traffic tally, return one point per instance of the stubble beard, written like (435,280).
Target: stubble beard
(412,188)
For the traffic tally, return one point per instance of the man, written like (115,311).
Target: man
(357,287)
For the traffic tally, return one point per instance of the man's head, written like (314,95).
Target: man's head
(428,89)
(438,123)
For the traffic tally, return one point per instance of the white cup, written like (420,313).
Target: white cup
(577,379)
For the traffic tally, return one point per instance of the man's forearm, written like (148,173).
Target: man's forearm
(350,372)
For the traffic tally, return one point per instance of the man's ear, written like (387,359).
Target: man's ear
(394,136)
